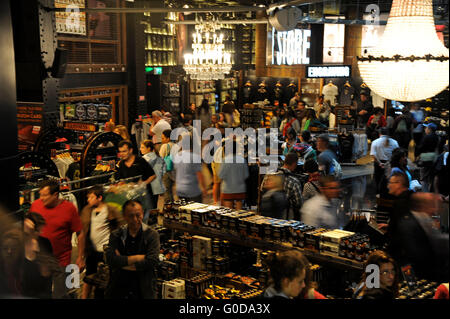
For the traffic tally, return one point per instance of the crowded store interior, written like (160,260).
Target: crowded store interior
(224,149)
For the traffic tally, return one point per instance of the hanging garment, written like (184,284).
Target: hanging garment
(346,97)
(346,142)
(330,92)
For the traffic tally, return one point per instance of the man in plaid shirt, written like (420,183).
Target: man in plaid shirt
(291,185)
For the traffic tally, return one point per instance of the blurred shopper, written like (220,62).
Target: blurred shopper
(322,209)
(427,152)
(99,220)
(402,129)
(274,203)
(364,110)
(291,185)
(233,172)
(11,263)
(62,220)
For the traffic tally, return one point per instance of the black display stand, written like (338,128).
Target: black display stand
(94,148)
(46,140)
(37,159)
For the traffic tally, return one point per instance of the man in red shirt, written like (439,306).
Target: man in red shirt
(62,220)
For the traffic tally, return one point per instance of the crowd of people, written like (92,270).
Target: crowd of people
(130,248)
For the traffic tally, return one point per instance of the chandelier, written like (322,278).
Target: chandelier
(208,60)
(410,63)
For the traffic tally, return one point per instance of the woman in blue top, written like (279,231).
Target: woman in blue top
(399,163)
(158,165)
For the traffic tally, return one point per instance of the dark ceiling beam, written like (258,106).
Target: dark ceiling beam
(163,10)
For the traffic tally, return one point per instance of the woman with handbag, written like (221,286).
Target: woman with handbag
(168,178)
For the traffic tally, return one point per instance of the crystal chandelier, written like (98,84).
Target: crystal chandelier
(208,60)
(410,63)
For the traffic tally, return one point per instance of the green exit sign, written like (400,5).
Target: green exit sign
(156,70)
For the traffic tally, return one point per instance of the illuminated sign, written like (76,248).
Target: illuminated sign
(329,71)
(76,126)
(290,47)
(156,70)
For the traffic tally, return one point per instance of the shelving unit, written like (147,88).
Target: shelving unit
(198,90)
(247,241)
(247,45)
(161,44)
(310,89)
(228,86)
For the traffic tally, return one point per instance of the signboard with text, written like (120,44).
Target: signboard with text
(289,47)
(29,123)
(328,71)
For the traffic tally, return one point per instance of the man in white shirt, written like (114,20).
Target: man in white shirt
(381,151)
(159,125)
(322,209)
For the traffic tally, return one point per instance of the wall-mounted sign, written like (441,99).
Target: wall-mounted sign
(290,47)
(328,71)
(76,126)
(29,123)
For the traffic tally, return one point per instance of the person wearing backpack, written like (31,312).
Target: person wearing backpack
(168,178)
(327,159)
(158,165)
(311,187)
(290,121)
(403,129)
(291,186)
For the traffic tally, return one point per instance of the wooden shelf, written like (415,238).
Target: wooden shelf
(246,241)
(165,50)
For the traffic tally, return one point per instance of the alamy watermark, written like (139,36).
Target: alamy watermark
(260,147)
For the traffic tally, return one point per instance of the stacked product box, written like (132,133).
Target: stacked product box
(356,247)
(185,212)
(174,289)
(202,249)
(329,244)
(195,286)
(186,249)
(312,239)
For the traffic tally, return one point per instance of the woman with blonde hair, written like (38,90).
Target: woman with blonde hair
(122,131)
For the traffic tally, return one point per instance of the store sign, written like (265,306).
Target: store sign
(329,71)
(84,127)
(29,123)
(290,47)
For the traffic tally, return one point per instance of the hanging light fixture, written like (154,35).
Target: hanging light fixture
(410,63)
(208,60)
